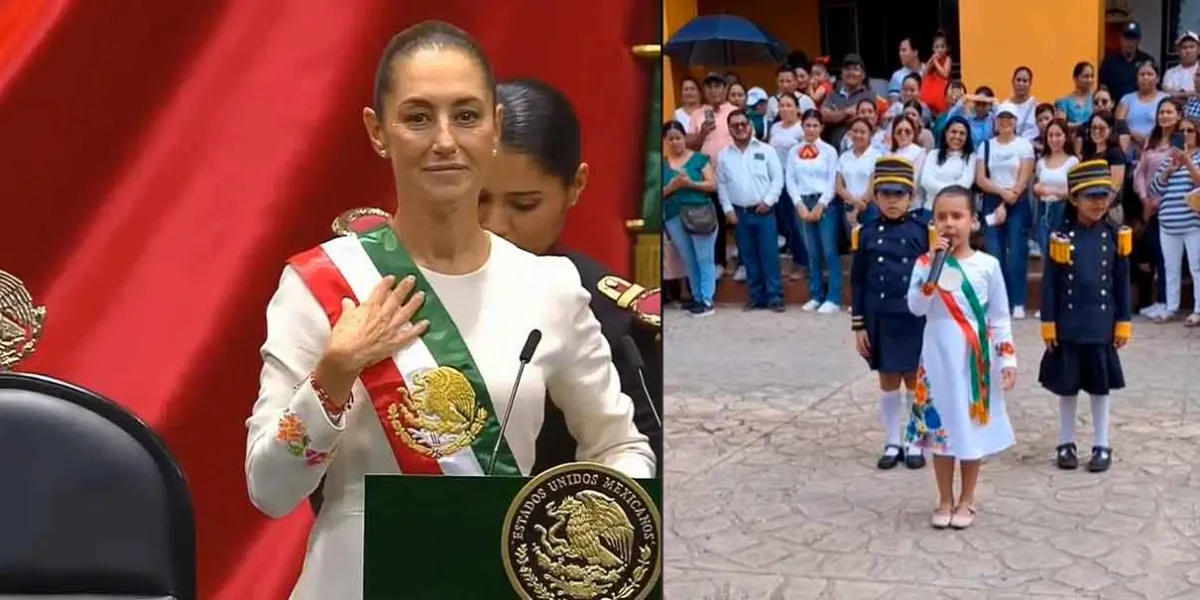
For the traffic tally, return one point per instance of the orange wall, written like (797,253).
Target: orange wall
(802,32)
(675,14)
(1063,33)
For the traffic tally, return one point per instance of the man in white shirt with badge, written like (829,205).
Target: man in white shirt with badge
(749,181)
(1180,80)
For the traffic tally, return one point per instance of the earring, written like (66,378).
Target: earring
(974,225)
(383,152)
(495,152)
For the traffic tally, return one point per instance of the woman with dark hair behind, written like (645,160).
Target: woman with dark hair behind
(539,175)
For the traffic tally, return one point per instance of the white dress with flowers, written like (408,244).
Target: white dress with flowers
(958,408)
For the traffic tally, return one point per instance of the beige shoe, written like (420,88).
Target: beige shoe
(941,518)
(963,517)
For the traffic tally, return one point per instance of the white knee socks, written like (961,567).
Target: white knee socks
(891,412)
(1100,408)
(1067,406)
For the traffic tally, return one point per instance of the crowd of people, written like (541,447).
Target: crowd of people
(798,173)
(941,196)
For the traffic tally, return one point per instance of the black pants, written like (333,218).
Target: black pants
(719,254)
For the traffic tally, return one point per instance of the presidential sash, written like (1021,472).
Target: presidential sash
(430,397)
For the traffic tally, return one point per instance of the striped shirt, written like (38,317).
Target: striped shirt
(1174,215)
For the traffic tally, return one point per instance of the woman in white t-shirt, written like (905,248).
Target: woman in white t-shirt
(953,163)
(904,133)
(783,136)
(689,99)
(1003,173)
(1024,104)
(1050,180)
(856,167)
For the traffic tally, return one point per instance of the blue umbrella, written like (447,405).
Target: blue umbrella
(724,40)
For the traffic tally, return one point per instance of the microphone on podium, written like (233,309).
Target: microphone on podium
(635,360)
(531,344)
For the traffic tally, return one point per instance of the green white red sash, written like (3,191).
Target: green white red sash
(350,267)
(977,342)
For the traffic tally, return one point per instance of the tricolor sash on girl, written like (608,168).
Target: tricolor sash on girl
(430,397)
(978,343)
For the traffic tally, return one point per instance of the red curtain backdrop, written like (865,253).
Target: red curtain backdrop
(162,159)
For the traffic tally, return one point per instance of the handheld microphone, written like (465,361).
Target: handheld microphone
(531,344)
(635,360)
(936,266)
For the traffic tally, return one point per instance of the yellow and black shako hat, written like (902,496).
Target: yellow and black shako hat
(894,174)
(1091,179)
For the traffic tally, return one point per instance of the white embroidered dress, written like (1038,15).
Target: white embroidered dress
(945,396)
(290,444)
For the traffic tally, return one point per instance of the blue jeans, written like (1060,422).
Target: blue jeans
(697,254)
(1050,218)
(759,252)
(790,227)
(821,240)
(1009,243)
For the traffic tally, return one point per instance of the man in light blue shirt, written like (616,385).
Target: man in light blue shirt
(749,181)
(910,62)
(980,116)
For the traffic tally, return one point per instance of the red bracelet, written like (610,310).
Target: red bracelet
(331,409)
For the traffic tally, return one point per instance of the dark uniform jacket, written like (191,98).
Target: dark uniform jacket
(1085,289)
(555,445)
(885,252)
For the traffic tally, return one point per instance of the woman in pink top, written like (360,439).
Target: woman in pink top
(1157,149)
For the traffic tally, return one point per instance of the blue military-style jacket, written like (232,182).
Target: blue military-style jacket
(1085,287)
(885,251)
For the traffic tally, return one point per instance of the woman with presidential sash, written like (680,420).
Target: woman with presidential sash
(395,350)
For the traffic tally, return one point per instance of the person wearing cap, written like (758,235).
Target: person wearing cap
(1179,80)
(708,130)
(842,105)
(756,109)
(1118,72)
(1086,310)
(1003,173)
(749,182)
(886,333)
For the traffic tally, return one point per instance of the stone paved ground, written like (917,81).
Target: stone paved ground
(771,489)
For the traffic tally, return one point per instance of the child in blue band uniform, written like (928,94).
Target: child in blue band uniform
(1086,310)
(886,333)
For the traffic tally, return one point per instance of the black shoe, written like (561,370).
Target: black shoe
(687,306)
(889,461)
(777,307)
(1101,459)
(701,310)
(1066,457)
(914,460)
(754,306)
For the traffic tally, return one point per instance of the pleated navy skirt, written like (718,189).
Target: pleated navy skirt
(1069,368)
(896,341)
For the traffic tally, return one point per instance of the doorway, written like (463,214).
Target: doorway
(873,30)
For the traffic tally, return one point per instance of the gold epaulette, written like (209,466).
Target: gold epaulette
(855,236)
(1124,241)
(645,304)
(1060,248)
(933,236)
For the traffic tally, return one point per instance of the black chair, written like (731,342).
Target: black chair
(92,505)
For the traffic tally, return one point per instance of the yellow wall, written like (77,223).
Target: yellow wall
(1054,36)
(801,32)
(675,14)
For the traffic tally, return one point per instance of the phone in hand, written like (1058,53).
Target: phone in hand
(1177,140)
(709,115)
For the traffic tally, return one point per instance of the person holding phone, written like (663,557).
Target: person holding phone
(1179,225)
(1157,150)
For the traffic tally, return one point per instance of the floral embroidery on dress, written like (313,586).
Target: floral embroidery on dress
(1006,349)
(293,435)
(925,428)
